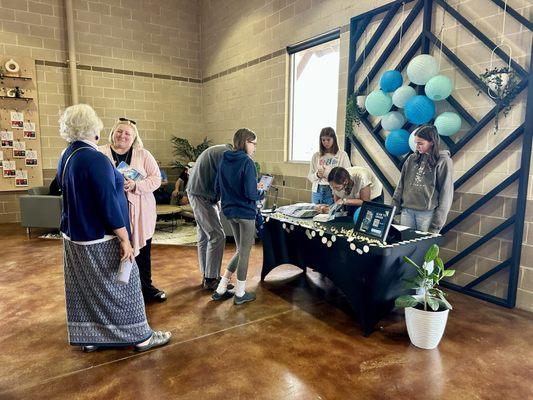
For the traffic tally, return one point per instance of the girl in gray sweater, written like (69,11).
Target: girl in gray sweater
(424,194)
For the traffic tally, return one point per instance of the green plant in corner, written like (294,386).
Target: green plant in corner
(353,113)
(428,277)
(502,87)
(185,152)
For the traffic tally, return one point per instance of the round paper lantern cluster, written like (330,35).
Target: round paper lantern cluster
(390,81)
(378,103)
(439,87)
(392,121)
(417,109)
(422,68)
(448,123)
(397,143)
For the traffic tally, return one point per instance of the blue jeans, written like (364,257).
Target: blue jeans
(419,220)
(323,195)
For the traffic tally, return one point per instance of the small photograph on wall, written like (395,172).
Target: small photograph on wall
(29,131)
(17,119)
(21,178)
(19,149)
(7,139)
(31,158)
(9,168)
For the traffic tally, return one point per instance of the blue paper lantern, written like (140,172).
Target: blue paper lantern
(419,110)
(356,214)
(448,123)
(397,143)
(378,103)
(439,87)
(412,143)
(402,94)
(422,68)
(392,121)
(390,81)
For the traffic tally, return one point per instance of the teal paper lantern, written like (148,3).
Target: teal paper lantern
(378,103)
(390,81)
(401,95)
(356,214)
(422,68)
(419,110)
(448,123)
(392,121)
(439,87)
(397,143)
(412,143)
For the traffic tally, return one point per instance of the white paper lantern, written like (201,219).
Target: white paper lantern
(402,95)
(422,68)
(392,121)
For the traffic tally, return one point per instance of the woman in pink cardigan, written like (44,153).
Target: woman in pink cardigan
(126,146)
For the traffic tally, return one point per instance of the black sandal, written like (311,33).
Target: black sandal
(160,296)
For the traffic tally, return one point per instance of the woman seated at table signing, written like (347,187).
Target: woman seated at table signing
(126,147)
(101,311)
(351,186)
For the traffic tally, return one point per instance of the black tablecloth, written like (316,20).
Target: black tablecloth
(370,280)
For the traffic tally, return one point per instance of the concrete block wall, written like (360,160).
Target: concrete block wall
(136,58)
(245,70)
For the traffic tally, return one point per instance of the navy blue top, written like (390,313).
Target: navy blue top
(94,203)
(236,183)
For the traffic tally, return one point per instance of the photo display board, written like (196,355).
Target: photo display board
(20,136)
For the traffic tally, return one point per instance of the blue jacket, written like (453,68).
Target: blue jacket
(94,203)
(236,183)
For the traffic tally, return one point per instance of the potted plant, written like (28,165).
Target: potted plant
(502,87)
(426,312)
(187,152)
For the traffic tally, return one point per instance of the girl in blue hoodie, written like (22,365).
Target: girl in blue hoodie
(236,183)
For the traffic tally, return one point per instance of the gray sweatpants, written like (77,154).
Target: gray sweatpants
(211,237)
(244,233)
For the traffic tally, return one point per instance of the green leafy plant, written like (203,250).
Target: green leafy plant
(257,169)
(502,84)
(428,277)
(186,152)
(353,113)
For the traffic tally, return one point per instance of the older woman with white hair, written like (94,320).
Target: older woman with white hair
(126,147)
(101,310)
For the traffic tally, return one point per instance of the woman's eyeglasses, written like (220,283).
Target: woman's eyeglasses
(123,119)
(254,143)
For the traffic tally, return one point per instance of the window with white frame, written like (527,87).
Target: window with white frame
(314,89)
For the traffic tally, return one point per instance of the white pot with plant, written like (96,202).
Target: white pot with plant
(426,312)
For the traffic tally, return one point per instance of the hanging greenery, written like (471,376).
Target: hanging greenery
(502,84)
(353,113)
(185,152)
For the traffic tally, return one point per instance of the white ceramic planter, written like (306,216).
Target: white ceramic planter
(425,328)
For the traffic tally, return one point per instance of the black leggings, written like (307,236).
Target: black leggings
(144,263)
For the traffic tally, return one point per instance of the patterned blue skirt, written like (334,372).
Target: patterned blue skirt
(101,311)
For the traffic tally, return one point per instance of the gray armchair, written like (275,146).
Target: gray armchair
(40,210)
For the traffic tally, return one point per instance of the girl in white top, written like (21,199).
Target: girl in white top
(354,185)
(328,157)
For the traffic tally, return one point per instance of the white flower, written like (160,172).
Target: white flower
(429,266)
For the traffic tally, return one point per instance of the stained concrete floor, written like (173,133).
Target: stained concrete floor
(297,341)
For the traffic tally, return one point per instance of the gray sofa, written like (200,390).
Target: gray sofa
(40,210)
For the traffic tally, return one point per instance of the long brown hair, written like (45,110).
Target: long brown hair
(429,133)
(328,132)
(242,136)
(339,175)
